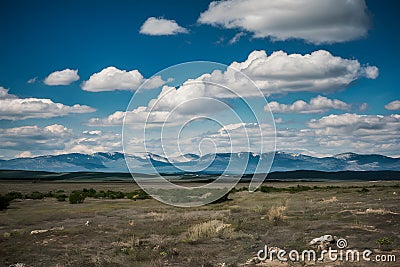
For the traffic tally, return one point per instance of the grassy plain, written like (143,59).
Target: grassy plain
(124,232)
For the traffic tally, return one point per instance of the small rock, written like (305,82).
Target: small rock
(34,232)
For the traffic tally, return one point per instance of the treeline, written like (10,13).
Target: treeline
(75,197)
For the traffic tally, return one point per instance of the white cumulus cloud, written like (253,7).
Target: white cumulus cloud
(161,26)
(314,21)
(62,77)
(394,105)
(354,132)
(111,78)
(319,71)
(278,73)
(24,154)
(319,104)
(14,108)
(35,138)
(357,125)
(28,141)
(140,116)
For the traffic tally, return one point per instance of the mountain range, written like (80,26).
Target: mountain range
(147,163)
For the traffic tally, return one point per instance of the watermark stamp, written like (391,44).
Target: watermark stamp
(341,254)
(205,110)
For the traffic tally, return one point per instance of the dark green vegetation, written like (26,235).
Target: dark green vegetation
(122,232)
(76,196)
(301,188)
(4,202)
(300,175)
(384,243)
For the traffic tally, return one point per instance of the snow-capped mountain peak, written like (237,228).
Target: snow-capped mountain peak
(216,163)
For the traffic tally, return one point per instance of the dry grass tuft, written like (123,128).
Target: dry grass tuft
(329,200)
(275,214)
(207,229)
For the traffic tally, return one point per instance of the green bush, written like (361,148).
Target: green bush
(35,195)
(49,194)
(91,192)
(114,194)
(61,197)
(138,194)
(77,197)
(291,189)
(363,190)
(13,195)
(384,243)
(100,194)
(4,202)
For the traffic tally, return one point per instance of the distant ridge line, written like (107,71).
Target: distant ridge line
(298,175)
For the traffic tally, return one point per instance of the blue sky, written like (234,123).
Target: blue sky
(357,79)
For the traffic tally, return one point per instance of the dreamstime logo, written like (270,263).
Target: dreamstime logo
(205,114)
(341,243)
(329,255)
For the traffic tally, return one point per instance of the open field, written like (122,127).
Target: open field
(123,232)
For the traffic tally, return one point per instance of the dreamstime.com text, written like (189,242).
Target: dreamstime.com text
(345,255)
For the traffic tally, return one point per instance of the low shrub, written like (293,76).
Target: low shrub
(138,194)
(4,202)
(35,195)
(384,243)
(291,189)
(49,194)
(61,197)
(13,195)
(90,192)
(77,197)
(363,190)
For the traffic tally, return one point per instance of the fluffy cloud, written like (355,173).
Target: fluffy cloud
(357,125)
(319,104)
(353,132)
(278,73)
(95,141)
(140,116)
(63,77)
(319,71)
(160,26)
(5,95)
(34,138)
(32,80)
(24,154)
(111,78)
(275,74)
(115,119)
(236,38)
(314,21)
(326,136)
(236,137)
(14,108)
(394,105)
